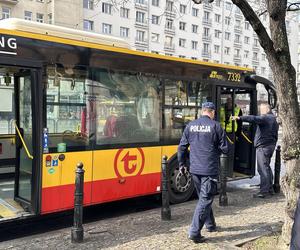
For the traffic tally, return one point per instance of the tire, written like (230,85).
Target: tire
(181,187)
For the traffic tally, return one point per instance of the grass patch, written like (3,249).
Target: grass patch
(270,242)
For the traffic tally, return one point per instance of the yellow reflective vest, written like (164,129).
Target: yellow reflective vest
(228,127)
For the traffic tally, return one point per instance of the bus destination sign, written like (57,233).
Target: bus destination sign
(229,76)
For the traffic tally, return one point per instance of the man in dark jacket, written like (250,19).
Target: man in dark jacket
(207,140)
(264,141)
(295,241)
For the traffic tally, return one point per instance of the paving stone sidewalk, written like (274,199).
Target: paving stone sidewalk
(244,219)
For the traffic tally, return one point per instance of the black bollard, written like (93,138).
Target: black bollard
(77,229)
(277,169)
(165,209)
(223,199)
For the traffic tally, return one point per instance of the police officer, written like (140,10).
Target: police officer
(265,141)
(207,140)
(295,240)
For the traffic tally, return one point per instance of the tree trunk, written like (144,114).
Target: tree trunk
(284,76)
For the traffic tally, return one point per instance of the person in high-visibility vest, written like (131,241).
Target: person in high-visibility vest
(233,130)
(225,114)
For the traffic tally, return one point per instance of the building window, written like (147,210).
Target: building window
(194,58)
(237,38)
(206,15)
(28,15)
(206,31)
(140,36)
(218,3)
(169,23)
(194,45)
(182,9)
(205,48)
(263,57)
(263,71)
(106,28)
(106,8)
(237,52)
(88,25)
(218,33)
(246,39)
(247,25)
(155,19)
(124,12)
(155,3)
(227,35)
(50,18)
(155,37)
(124,32)
(217,49)
(255,57)
(88,4)
(246,54)
(169,6)
(194,28)
(182,42)
(227,51)
(217,18)
(182,25)
(40,1)
(140,1)
(5,12)
(256,42)
(195,12)
(228,6)
(39,17)
(168,41)
(227,20)
(140,17)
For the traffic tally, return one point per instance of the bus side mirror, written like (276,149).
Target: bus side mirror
(272,98)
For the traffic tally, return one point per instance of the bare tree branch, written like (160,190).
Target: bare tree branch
(249,14)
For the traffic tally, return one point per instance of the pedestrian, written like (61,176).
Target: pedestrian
(265,140)
(295,240)
(207,140)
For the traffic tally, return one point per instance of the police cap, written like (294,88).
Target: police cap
(208,105)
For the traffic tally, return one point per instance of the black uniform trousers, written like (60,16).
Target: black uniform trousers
(264,155)
(206,187)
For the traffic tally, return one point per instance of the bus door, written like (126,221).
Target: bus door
(26,149)
(237,102)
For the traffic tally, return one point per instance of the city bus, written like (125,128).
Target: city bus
(70,96)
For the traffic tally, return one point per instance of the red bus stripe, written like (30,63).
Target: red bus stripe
(60,198)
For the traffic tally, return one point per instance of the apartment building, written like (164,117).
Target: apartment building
(215,32)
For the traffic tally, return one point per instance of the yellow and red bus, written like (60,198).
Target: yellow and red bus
(84,97)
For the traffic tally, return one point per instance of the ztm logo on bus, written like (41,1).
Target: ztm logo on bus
(129,162)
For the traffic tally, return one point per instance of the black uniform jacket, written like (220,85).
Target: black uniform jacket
(207,140)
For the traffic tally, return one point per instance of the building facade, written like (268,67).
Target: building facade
(215,32)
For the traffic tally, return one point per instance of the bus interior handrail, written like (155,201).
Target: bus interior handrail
(23,142)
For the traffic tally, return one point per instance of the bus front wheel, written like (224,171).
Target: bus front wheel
(181,186)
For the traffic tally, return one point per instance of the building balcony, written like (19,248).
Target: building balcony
(9,1)
(206,54)
(255,47)
(238,15)
(142,25)
(169,47)
(141,43)
(206,38)
(207,22)
(237,58)
(238,29)
(237,43)
(171,13)
(208,6)
(170,30)
(142,5)
(255,61)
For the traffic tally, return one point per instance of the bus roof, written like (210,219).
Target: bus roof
(58,34)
